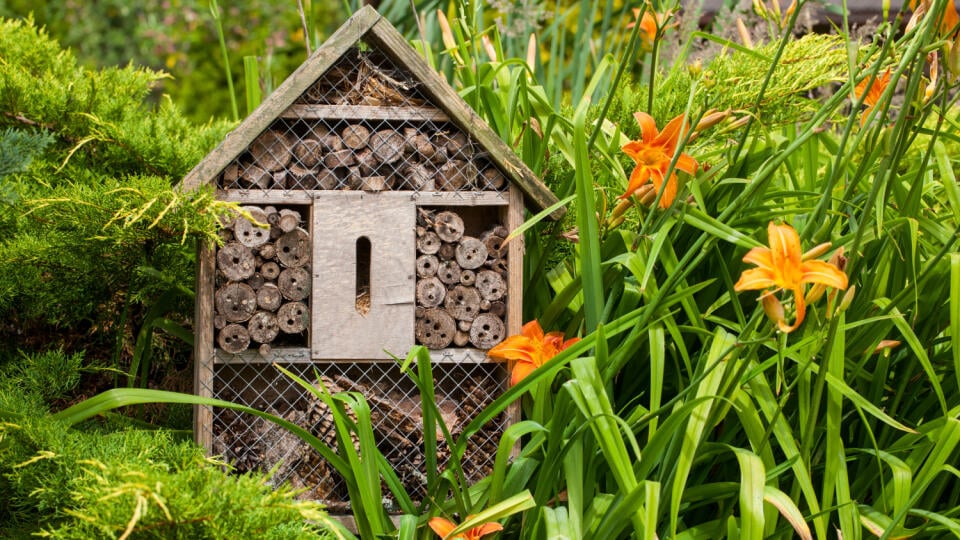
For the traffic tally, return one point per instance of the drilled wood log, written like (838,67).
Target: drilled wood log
(419,177)
(427,266)
(491,285)
(265,350)
(366,161)
(497,230)
(430,292)
(471,253)
(449,272)
(436,329)
(455,175)
(269,297)
(331,142)
(429,243)
(447,252)
(256,281)
(375,183)
(491,179)
(487,330)
(275,233)
(418,143)
(494,244)
(235,261)
(262,327)
(272,215)
(387,145)
(288,220)
(235,301)
(271,150)
(233,338)
(449,226)
(252,176)
(340,158)
(327,179)
(308,153)
(355,136)
(463,303)
(267,251)
(270,270)
(293,248)
(249,234)
(468,278)
(294,283)
(293,317)
(455,143)
(497,265)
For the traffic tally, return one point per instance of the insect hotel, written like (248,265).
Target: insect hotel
(375,205)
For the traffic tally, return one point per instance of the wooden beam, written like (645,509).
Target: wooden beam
(203,344)
(364,112)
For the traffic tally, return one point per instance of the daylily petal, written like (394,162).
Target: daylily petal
(441,526)
(669,192)
(633,149)
(801,307)
(670,136)
(759,256)
(520,371)
(639,177)
(486,528)
(754,279)
(785,248)
(518,347)
(569,342)
(824,273)
(532,330)
(648,126)
(687,164)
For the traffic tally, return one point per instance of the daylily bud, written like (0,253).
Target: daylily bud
(621,209)
(759,8)
(847,299)
(952,62)
(712,118)
(532,53)
(885,345)
(933,59)
(773,308)
(646,194)
(817,251)
(695,69)
(446,34)
(815,293)
(744,34)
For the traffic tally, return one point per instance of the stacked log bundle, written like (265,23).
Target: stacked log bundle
(461,283)
(263,280)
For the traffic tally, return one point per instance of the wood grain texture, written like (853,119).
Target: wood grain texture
(514,300)
(203,345)
(364,112)
(387,220)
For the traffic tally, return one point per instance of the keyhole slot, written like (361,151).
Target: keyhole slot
(363,276)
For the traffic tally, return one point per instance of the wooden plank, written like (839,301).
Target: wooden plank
(514,322)
(299,111)
(460,198)
(388,221)
(265,196)
(287,355)
(392,44)
(422,198)
(203,344)
(352,31)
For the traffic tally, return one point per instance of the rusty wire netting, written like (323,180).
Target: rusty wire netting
(251,443)
(364,125)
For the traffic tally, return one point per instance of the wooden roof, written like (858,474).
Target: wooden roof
(367,25)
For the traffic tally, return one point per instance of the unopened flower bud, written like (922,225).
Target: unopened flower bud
(695,69)
(817,251)
(847,299)
(952,58)
(885,345)
(773,308)
(712,118)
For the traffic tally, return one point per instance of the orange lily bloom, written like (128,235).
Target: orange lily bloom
(530,349)
(782,267)
(443,527)
(873,92)
(948,19)
(653,153)
(648,27)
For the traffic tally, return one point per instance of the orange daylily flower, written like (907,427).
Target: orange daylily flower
(782,267)
(443,527)
(652,154)
(873,91)
(530,349)
(948,19)
(648,27)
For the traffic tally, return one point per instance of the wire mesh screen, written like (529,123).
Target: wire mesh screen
(251,443)
(364,125)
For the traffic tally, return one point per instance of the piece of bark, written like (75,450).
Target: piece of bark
(491,179)
(449,226)
(236,261)
(487,330)
(468,278)
(271,150)
(387,145)
(262,327)
(375,183)
(449,272)
(253,176)
(269,297)
(308,153)
(230,175)
(355,136)
(235,301)
(268,251)
(429,243)
(233,338)
(293,248)
(270,270)
(471,253)
(430,292)
(436,329)
(447,252)
(463,303)
(293,317)
(427,266)
(340,158)
(491,285)
(288,220)
(256,281)
(498,308)
(294,283)
(249,234)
